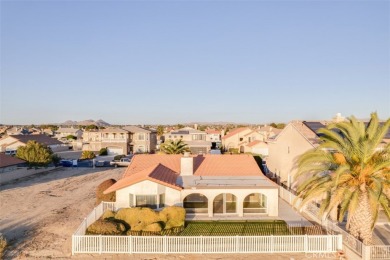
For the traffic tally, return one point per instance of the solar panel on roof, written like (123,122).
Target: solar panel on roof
(314,126)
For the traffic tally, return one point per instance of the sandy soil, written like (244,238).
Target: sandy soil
(39,214)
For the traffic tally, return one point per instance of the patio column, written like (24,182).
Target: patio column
(210,207)
(240,206)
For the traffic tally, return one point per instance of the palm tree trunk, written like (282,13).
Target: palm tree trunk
(361,222)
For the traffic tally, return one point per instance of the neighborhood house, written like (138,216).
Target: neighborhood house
(206,185)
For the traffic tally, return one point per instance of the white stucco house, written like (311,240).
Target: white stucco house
(208,185)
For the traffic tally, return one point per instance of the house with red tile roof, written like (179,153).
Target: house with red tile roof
(246,140)
(205,185)
(9,163)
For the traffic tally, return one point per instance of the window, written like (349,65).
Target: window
(149,201)
(131,200)
(141,137)
(241,138)
(162,200)
(198,137)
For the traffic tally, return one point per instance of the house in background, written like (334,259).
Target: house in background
(12,142)
(205,185)
(63,132)
(195,139)
(116,140)
(246,140)
(295,139)
(17,131)
(9,163)
(214,136)
(142,140)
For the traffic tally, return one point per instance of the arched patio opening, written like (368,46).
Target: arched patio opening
(195,203)
(225,203)
(255,203)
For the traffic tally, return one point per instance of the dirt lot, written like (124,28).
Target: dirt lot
(39,214)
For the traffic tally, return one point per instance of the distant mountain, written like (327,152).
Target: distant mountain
(99,122)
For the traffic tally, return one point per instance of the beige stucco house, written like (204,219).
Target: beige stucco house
(12,142)
(195,139)
(246,140)
(295,139)
(116,140)
(63,132)
(205,185)
(142,140)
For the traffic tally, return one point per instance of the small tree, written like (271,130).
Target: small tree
(35,154)
(87,155)
(103,151)
(160,130)
(174,147)
(71,137)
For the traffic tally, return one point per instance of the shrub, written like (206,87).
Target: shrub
(103,151)
(108,214)
(154,227)
(100,196)
(56,159)
(233,150)
(35,154)
(87,155)
(71,137)
(173,216)
(137,218)
(106,227)
(3,245)
(118,157)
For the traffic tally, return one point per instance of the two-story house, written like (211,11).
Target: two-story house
(195,139)
(142,140)
(116,140)
(245,140)
(214,136)
(63,132)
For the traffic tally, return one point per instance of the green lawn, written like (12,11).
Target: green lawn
(231,228)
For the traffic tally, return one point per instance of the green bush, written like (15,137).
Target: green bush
(137,218)
(71,137)
(106,227)
(87,155)
(55,159)
(173,216)
(118,157)
(3,245)
(108,214)
(233,150)
(100,196)
(103,151)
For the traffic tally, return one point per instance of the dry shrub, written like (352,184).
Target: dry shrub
(106,227)
(108,214)
(102,187)
(173,216)
(3,245)
(154,227)
(137,218)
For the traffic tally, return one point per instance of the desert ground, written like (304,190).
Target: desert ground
(39,214)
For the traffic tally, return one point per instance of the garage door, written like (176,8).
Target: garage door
(114,150)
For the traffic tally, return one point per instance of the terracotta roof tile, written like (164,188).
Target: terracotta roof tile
(156,173)
(253,143)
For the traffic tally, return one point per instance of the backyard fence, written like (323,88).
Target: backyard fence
(82,243)
(366,252)
(206,244)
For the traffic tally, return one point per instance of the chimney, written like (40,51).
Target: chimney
(186,165)
(196,126)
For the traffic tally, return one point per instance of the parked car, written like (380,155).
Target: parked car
(10,152)
(66,163)
(122,162)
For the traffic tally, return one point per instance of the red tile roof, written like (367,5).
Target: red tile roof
(234,132)
(157,173)
(165,169)
(212,131)
(8,160)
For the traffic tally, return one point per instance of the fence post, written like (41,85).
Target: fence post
(305,244)
(272,244)
(339,242)
(237,244)
(131,244)
(100,244)
(201,244)
(165,244)
(366,252)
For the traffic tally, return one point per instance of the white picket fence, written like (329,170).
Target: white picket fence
(205,244)
(82,243)
(364,251)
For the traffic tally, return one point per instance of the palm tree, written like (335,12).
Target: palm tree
(174,147)
(350,173)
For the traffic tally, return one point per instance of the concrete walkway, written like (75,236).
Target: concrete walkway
(286,213)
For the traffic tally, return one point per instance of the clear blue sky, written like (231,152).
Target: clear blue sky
(137,62)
